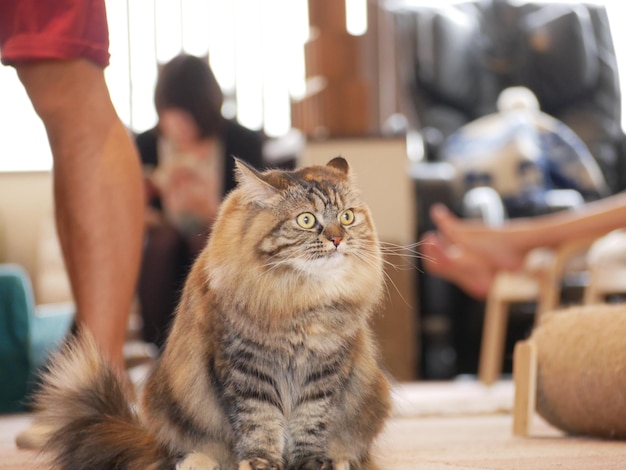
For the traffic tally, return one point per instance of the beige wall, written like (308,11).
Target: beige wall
(25,200)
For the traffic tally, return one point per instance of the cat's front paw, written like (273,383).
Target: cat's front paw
(197,461)
(259,464)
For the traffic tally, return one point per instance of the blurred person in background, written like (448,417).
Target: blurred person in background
(189,167)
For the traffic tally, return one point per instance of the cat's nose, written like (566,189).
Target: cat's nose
(336,240)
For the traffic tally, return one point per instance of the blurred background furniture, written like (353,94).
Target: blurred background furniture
(599,265)
(33,321)
(606,263)
(454,63)
(28,333)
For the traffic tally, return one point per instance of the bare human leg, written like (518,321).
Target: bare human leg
(505,247)
(490,245)
(98,193)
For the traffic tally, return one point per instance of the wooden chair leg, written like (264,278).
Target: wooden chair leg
(525,378)
(492,347)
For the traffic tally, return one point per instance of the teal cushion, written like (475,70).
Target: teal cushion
(16,305)
(50,325)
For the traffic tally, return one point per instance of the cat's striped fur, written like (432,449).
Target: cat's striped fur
(270,363)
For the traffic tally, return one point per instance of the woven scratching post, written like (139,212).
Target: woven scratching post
(580,360)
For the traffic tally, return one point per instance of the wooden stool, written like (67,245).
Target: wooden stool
(508,288)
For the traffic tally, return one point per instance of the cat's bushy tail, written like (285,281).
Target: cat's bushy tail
(89,410)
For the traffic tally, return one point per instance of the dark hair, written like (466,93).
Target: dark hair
(187,82)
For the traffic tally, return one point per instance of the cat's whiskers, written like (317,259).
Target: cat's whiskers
(371,258)
(368,256)
(287,256)
(404,251)
(365,254)
(407,252)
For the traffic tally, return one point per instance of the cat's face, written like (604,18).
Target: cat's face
(319,225)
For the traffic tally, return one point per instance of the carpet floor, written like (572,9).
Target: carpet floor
(443,426)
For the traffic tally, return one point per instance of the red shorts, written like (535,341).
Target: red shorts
(53,29)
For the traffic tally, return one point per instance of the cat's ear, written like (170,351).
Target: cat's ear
(340,164)
(254,187)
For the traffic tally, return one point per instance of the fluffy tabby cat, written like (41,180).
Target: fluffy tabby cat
(270,363)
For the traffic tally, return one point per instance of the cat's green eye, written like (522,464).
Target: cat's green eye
(347,217)
(306,220)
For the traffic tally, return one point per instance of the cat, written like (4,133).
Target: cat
(270,363)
